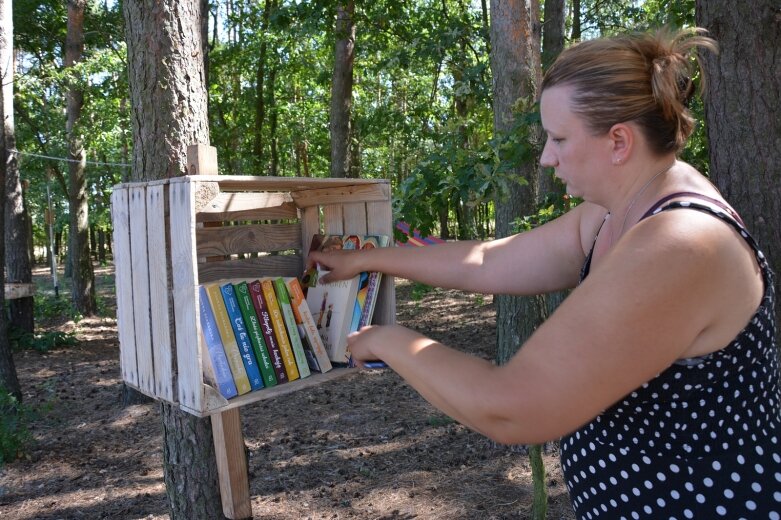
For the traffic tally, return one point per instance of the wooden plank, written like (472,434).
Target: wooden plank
(332,220)
(244,206)
(159,294)
(189,365)
(231,240)
(310,226)
(251,268)
(15,291)
(379,217)
(123,281)
(231,464)
(286,184)
(218,404)
(141,314)
(375,192)
(202,160)
(354,218)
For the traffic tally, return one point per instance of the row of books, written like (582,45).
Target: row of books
(259,334)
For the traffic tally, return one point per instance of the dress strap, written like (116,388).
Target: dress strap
(692,194)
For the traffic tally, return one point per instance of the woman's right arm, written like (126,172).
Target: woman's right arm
(547,258)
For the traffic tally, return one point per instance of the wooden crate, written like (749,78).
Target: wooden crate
(172,235)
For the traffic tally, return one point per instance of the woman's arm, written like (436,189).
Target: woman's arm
(545,259)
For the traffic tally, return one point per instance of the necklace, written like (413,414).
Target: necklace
(637,196)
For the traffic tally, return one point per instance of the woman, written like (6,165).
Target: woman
(659,371)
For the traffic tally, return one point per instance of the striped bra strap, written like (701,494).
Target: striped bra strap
(695,195)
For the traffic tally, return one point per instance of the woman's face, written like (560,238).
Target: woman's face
(578,157)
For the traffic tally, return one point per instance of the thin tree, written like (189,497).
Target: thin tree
(742,108)
(342,90)
(515,65)
(18,260)
(82,275)
(8,379)
(169,114)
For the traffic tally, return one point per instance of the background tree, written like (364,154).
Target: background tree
(342,90)
(168,115)
(742,110)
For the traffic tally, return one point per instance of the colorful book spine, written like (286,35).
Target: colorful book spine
(280,333)
(228,339)
(242,337)
(267,329)
(283,299)
(373,288)
(307,324)
(255,334)
(219,362)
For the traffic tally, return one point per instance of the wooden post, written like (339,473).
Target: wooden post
(226,426)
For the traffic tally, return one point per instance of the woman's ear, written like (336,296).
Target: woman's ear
(621,137)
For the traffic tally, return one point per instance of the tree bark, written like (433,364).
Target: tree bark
(742,108)
(260,100)
(18,260)
(342,89)
(552,31)
(82,276)
(168,97)
(515,64)
(8,378)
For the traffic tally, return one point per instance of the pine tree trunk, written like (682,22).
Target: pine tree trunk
(260,76)
(342,89)
(552,31)
(82,276)
(170,114)
(742,110)
(18,261)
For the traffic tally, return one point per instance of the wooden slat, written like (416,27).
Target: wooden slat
(251,268)
(15,291)
(231,240)
(332,220)
(123,280)
(231,464)
(310,226)
(354,218)
(140,263)
(379,217)
(159,294)
(287,184)
(185,292)
(376,192)
(244,206)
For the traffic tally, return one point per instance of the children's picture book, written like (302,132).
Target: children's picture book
(267,330)
(228,339)
(283,299)
(314,348)
(255,334)
(369,282)
(278,322)
(242,337)
(211,336)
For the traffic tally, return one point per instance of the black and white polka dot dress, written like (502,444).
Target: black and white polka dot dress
(700,440)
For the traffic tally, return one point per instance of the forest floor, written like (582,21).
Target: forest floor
(364,446)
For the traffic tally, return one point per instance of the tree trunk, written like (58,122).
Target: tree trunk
(18,261)
(742,108)
(552,31)
(8,379)
(515,64)
(260,106)
(82,276)
(576,33)
(273,137)
(342,89)
(169,114)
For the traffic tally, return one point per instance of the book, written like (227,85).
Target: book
(283,299)
(242,337)
(267,330)
(219,362)
(373,283)
(255,334)
(228,339)
(278,323)
(307,328)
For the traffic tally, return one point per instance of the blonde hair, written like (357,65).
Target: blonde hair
(645,78)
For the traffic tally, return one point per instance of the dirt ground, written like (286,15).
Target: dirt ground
(365,446)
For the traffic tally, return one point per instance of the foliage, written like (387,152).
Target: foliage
(14,434)
(42,342)
(48,307)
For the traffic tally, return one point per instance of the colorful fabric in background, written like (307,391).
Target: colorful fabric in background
(414,238)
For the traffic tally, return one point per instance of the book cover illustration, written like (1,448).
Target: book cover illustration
(219,361)
(368,283)
(373,284)
(228,339)
(290,324)
(278,322)
(313,343)
(242,336)
(267,330)
(255,334)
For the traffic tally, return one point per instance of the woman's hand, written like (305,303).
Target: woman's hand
(341,264)
(369,343)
